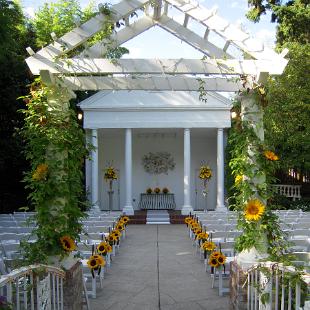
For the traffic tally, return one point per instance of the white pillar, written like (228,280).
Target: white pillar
(187,208)
(88,167)
(94,169)
(128,208)
(220,205)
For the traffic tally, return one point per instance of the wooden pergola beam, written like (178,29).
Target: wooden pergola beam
(97,66)
(175,83)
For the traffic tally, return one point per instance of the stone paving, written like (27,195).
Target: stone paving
(156,269)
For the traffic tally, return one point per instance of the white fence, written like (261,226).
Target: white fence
(274,286)
(290,191)
(35,287)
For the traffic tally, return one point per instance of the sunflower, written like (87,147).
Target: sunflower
(101,248)
(202,235)
(108,248)
(120,226)
(197,231)
(254,210)
(92,263)
(188,220)
(216,254)
(157,190)
(112,237)
(125,219)
(221,259)
(40,173)
(238,179)
(99,258)
(271,155)
(110,174)
(194,224)
(213,262)
(205,172)
(208,246)
(117,233)
(67,243)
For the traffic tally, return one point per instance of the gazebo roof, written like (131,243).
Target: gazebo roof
(89,70)
(122,100)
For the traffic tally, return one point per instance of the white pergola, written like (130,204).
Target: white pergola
(229,51)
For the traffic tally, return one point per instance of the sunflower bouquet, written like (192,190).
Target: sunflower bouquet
(217,259)
(205,174)
(103,248)
(110,175)
(95,262)
(208,247)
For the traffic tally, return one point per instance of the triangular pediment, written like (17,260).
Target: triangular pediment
(122,100)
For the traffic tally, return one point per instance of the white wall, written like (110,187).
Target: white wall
(112,150)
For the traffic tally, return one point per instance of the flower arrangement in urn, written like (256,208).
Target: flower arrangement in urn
(205,174)
(110,175)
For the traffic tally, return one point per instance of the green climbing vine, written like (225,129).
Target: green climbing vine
(253,164)
(55,148)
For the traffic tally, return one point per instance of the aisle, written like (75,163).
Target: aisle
(156,269)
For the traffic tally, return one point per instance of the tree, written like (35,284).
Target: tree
(15,35)
(58,17)
(288,112)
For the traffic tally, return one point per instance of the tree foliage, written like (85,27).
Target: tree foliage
(16,34)
(288,112)
(59,17)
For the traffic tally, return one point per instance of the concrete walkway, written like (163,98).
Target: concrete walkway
(156,269)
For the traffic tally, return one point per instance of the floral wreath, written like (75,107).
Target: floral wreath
(157,163)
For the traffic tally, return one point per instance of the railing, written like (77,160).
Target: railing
(290,191)
(157,201)
(35,287)
(274,286)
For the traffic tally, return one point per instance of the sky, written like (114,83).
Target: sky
(157,43)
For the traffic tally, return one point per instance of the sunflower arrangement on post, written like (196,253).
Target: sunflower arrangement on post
(110,175)
(208,247)
(95,262)
(217,259)
(205,174)
(149,191)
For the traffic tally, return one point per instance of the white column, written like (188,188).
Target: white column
(187,208)
(128,208)
(88,166)
(94,169)
(220,205)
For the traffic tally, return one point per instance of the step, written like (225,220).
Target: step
(159,219)
(158,223)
